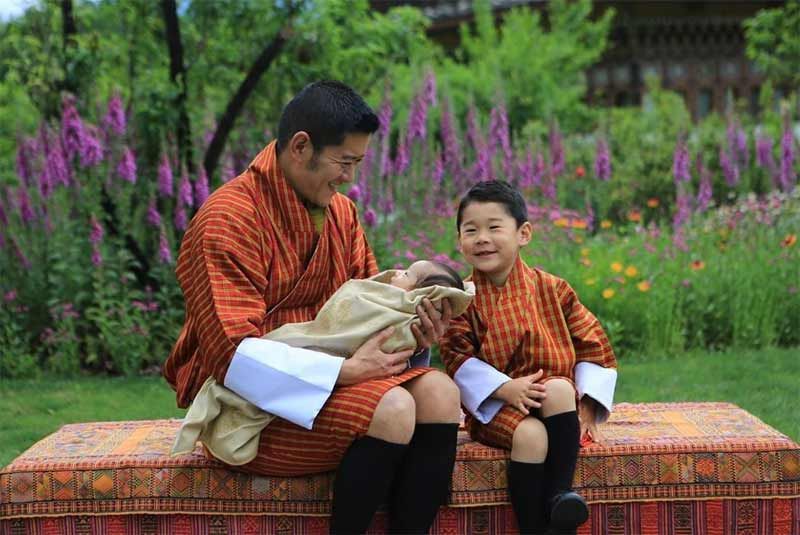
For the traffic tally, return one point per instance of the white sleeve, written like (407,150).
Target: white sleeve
(477,380)
(286,381)
(598,383)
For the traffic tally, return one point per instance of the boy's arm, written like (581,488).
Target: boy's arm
(476,379)
(595,371)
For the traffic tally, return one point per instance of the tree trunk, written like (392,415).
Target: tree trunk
(235,105)
(177,72)
(68,31)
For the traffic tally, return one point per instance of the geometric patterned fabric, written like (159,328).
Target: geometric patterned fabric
(661,468)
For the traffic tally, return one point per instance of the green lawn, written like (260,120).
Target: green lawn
(763,382)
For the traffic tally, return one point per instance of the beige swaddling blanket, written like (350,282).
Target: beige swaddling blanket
(230,426)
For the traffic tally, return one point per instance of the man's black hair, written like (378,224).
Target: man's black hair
(327,111)
(498,191)
(449,279)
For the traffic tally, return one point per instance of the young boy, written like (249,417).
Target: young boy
(521,355)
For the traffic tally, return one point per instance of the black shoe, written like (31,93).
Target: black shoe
(568,510)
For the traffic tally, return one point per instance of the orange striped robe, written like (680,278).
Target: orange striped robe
(535,321)
(251,261)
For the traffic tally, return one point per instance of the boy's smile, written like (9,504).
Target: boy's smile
(490,240)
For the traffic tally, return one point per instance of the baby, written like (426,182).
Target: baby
(425,273)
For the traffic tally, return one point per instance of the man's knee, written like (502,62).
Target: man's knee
(394,417)
(560,397)
(437,398)
(529,443)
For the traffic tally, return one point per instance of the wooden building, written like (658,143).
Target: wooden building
(695,47)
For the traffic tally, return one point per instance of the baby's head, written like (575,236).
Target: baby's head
(424,273)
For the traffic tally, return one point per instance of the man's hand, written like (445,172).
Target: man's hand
(370,362)
(588,418)
(432,323)
(523,393)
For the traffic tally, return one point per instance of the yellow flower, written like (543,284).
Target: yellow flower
(561,222)
(789,240)
(631,271)
(644,286)
(608,293)
(616,267)
(586,262)
(605,223)
(591,281)
(584,251)
(697,265)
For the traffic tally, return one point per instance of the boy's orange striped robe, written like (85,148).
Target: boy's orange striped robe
(535,321)
(251,261)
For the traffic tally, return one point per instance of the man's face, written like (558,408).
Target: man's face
(324,172)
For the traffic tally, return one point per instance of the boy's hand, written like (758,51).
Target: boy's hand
(588,418)
(523,393)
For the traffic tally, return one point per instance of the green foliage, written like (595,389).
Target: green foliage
(773,42)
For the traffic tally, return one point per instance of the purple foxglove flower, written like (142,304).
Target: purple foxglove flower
(164,252)
(787,175)
(386,205)
(97,256)
(114,121)
(385,161)
(385,117)
(450,142)
(482,169)
(91,151)
(153,216)
(526,178)
(201,187)
(679,241)
(185,190)
(741,148)
(3,215)
(73,132)
(56,161)
(729,168)
(602,161)
(45,182)
(539,169)
(354,193)
(548,185)
(438,169)
(705,193)
(430,88)
(126,168)
(24,205)
(764,158)
(680,163)
(402,158)
(473,131)
(498,131)
(23,260)
(370,219)
(683,208)
(557,159)
(25,151)
(180,215)
(165,177)
(96,231)
(417,119)
(365,169)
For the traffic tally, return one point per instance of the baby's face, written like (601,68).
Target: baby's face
(408,279)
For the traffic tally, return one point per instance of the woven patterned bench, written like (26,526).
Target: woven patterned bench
(677,468)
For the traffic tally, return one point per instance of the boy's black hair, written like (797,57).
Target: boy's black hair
(498,191)
(327,110)
(449,279)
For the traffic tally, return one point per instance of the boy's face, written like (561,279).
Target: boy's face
(490,240)
(408,279)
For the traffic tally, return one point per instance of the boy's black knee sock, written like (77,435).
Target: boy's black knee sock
(362,483)
(526,490)
(423,480)
(563,442)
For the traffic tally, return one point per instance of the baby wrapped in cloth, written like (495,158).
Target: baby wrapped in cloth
(230,426)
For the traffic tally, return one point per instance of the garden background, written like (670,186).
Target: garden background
(118,118)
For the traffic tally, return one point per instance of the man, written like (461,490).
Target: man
(269,248)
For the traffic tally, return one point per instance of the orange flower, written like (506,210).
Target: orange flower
(584,251)
(634,216)
(652,202)
(608,293)
(561,222)
(605,223)
(644,286)
(580,171)
(697,265)
(616,267)
(789,240)
(631,271)
(586,262)
(579,224)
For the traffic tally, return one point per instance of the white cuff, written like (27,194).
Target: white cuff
(598,383)
(477,380)
(286,381)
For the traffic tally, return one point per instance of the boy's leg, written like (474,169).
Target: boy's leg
(526,475)
(568,510)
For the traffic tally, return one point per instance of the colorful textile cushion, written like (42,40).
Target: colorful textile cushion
(672,453)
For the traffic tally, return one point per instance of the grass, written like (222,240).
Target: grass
(764,382)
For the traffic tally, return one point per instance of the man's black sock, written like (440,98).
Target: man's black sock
(526,490)
(362,483)
(423,481)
